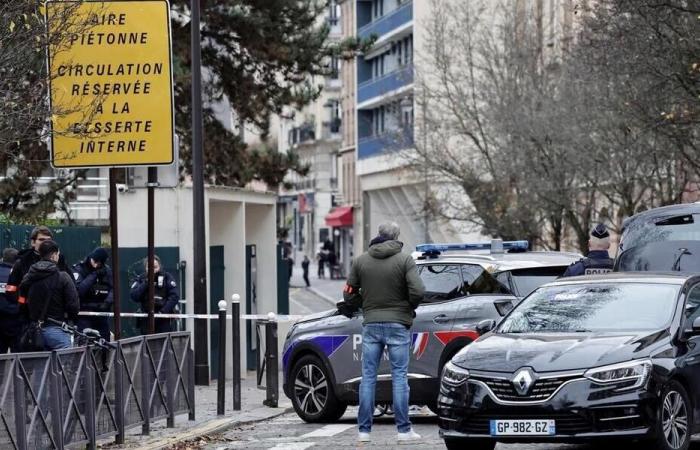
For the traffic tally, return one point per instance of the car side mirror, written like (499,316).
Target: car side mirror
(696,326)
(485,326)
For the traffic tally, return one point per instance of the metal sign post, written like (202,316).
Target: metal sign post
(152,184)
(114,244)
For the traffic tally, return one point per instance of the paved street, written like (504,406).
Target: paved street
(288,432)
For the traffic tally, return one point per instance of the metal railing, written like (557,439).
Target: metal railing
(77,396)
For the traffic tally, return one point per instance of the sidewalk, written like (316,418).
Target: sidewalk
(329,290)
(207,422)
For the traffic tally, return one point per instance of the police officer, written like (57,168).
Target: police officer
(166,295)
(25,259)
(10,322)
(93,278)
(598,260)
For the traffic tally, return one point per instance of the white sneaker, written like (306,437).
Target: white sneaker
(363,437)
(408,436)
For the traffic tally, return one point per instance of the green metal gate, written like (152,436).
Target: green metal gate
(75,242)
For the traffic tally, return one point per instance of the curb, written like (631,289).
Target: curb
(214,426)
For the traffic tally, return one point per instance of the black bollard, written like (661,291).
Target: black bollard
(271,363)
(221,379)
(236,347)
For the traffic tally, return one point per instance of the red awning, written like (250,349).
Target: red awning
(341,216)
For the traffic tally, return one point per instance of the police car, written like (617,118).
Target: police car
(468,286)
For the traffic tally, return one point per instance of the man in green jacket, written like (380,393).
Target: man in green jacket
(384,282)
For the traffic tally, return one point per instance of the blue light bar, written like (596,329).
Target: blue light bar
(507,245)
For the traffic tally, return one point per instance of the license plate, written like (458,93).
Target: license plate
(542,427)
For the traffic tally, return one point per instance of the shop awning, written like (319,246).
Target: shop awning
(341,216)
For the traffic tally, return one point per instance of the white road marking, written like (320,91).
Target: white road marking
(293,446)
(328,431)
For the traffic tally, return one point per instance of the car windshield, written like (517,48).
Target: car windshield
(641,233)
(527,280)
(593,307)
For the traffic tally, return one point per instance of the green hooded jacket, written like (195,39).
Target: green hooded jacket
(385,283)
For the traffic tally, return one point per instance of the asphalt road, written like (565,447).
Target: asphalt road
(288,432)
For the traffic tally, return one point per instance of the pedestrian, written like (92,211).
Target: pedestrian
(598,259)
(93,278)
(25,259)
(305,267)
(10,322)
(321,261)
(385,283)
(50,293)
(165,297)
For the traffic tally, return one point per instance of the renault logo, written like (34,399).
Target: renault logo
(522,381)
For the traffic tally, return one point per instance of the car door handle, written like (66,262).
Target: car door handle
(442,318)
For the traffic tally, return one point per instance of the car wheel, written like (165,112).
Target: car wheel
(673,418)
(471,444)
(312,395)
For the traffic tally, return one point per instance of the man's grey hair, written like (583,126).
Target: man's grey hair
(389,230)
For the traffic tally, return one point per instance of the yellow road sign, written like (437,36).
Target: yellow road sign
(110,83)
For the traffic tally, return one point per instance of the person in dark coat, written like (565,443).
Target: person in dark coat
(45,282)
(25,259)
(93,279)
(305,267)
(10,321)
(598,260)
(166,296)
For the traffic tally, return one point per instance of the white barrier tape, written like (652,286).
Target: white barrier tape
(275,318)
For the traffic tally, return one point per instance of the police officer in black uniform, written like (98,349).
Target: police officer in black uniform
(10,322)
(166,295)
(598,260)
(93,278)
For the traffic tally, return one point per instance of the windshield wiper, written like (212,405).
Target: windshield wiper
(677,263)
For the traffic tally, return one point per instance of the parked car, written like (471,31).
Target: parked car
(666,238)
(322,353)
(520,271)
(582,359)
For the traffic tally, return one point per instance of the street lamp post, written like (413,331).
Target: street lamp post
(201,356)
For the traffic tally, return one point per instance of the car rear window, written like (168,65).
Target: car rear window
(684,227)
(527,280)
(449,281)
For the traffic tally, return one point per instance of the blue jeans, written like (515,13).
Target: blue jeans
(397,338)
(55,338)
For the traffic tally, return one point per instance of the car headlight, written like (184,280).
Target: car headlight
(454,375)
(631,374)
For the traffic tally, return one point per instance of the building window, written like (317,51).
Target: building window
(333,12)
(377,9)
(334,68)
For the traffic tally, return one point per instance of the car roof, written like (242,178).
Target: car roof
(677,278)
(664,211)
(500,262)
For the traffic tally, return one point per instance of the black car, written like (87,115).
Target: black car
(661,239)
(585,358)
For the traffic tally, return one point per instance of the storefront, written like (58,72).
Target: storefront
(340,219)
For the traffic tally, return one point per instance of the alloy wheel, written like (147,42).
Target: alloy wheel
(311,389)
(674,418)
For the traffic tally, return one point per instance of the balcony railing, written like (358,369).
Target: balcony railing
(384,143)
(385,84)
(388,22)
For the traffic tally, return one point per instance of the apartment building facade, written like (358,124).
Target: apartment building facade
(314,132)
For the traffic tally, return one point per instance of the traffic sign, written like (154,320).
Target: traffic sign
(110,83)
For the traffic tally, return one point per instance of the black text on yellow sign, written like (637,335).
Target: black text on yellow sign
(111,83)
